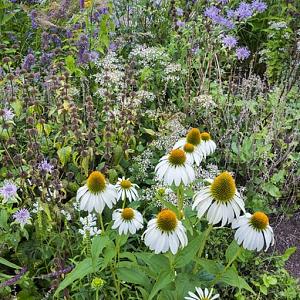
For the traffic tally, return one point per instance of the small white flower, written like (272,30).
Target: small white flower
(193,154)
(96,193)
(165,232)
(126,189)
(127,220)
(174,168)
(202,295)
(207,145)
(220,200)
(253,231)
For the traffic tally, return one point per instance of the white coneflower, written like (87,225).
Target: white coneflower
(193,154)
(253,231)
(193,137)
(207,146)
(220,200)
(174,168)
(126,189)
(96,193)
(127,219)
(165,232)
(202,295)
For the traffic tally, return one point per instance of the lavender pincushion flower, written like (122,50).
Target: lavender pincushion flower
(22,216)
(180,23)
(45,166)
(242,53)
(29,61)
(212,12)
(179,12)
(259,6)
(229,41)
(8,114)
(244,11)
(8,190)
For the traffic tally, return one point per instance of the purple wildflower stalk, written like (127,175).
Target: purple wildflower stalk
(14,279)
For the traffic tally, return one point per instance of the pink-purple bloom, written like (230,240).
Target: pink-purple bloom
(242,53)
(8,190)
(180,23)
(229,41)
(22,216)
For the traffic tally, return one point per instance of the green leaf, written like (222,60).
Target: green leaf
(210,266)
(288,252)
(184,256)
(156,262)
(162,280)
(231,251)
(64,154)
(70,63)
(133,275)
(81,270)
(272,189)
(232,278)
(98,244)
(5,262)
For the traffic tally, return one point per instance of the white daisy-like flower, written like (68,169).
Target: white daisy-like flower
(165,232)
(174,168)
(202,295)
(193,154)
(253,231)
(207,145)
(127,220)
(96,193)
(126,189)
(193,137)
(220,200)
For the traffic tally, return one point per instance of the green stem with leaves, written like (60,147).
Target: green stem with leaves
(218,276)
(201,249)
(180,199)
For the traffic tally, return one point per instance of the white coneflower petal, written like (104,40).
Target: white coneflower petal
(96,193)
(253,231)
(164,233)
(174,169)
(220,201)
(202,295)
(127,220)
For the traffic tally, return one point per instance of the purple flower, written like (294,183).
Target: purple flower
(225,22)
(45,166)
(244,11)
(81,4)
(229,41)
(180,23)
(230,13)
(212,12)
(33,14)
(22,216)
(259,6)
(242,53)
(29,61)
(8,114)
(9,190)
(179,11)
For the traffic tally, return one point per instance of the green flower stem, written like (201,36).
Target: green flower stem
(97,294)
(101,223)
(218,276)
(201,249)
(180,199)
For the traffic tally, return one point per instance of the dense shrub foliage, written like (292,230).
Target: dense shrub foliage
(146,148)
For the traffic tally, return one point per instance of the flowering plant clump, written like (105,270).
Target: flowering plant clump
(148,149)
